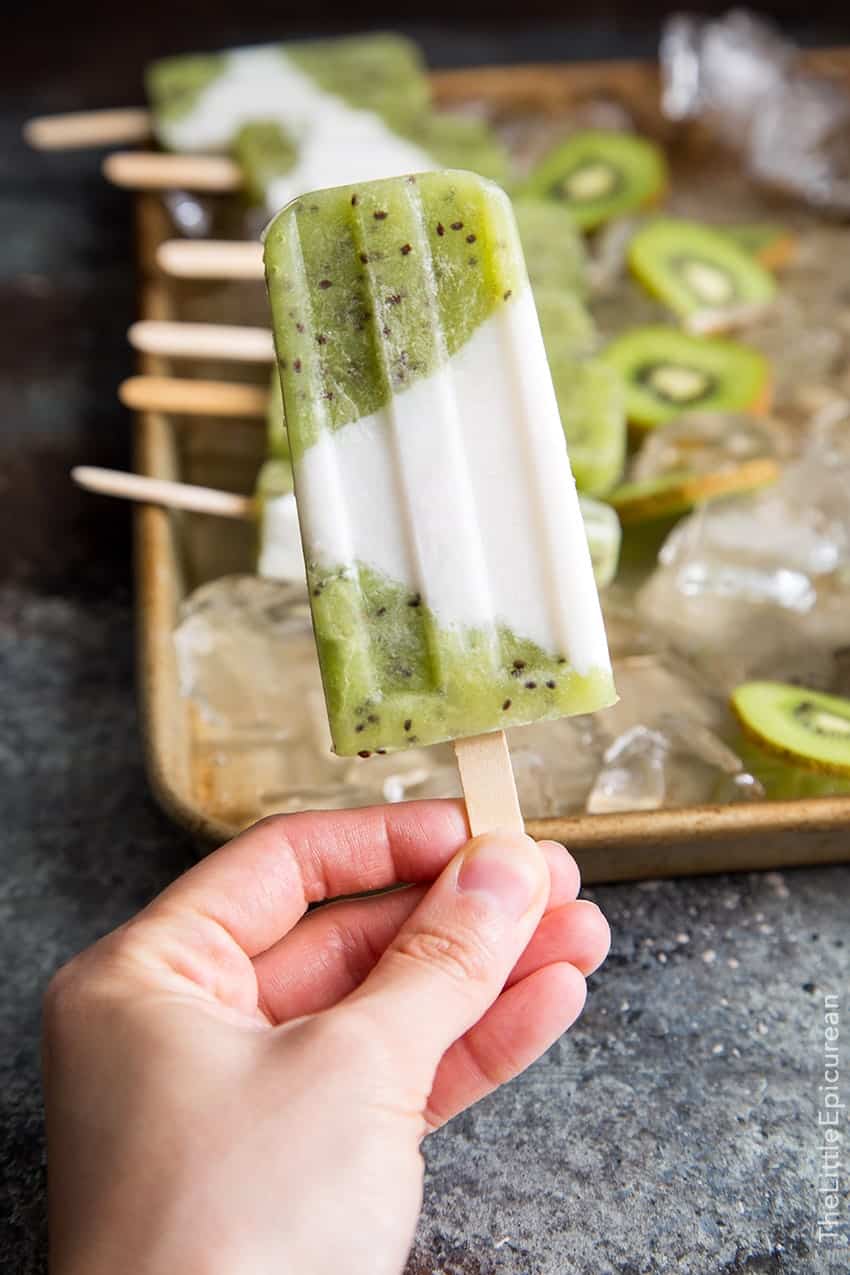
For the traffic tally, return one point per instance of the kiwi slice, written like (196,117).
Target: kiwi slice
(772,246)
(554,250)
(600,175)
(263,151)
(691,267)
(668,372)
(676,493)
(785,779)
(603,537)
(809,726)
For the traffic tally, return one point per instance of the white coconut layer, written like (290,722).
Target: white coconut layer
(460,489)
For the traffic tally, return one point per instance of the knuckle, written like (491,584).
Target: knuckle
(459,955)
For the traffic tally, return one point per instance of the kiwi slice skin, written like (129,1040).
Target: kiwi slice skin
(599,175)
(677,493)
(809,727)
(730,376)
(691,267)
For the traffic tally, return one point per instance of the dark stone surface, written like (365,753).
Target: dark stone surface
(675,1128)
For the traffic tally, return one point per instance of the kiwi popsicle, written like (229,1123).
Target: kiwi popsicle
(296,116)
(449,574)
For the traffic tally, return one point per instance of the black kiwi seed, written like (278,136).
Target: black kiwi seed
(562,659)
(359,727)
(506,705)
(405,249)
(364,752)
(816,720)
(531,686)
(373,718)
(324,283)
(415,601)
(381,611)
(299,327)
(394,298)
(382,752)
(408,723)
(355,200)
(364,257)
(506,296)
(441,230)
(470,238)
(551,684)
(519,663)
(297,365)
(321,339)
(379,216)
(457,225)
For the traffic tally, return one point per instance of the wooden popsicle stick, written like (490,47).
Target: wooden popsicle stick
(88,128)
(186,397)
(227,341)
(489,786)
(150,170)
(210,259)
(161,491)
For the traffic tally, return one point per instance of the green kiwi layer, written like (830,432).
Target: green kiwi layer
(592,403)
(394,678)
(668,372)
(604,537)
(808,726)
(692,267)
(264,152)
(555,255)
(599,175)
(373,286)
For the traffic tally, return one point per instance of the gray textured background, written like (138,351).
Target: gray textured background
(673,1130)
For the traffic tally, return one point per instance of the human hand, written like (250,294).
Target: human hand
(232,1088)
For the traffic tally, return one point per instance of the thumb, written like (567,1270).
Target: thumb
(451,958)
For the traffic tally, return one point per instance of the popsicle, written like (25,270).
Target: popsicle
(200,101)
(449,573)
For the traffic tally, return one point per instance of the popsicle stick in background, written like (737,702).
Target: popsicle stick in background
(150,170)
(161,491)
(186,397)
(489,786)
(230,342)
(78,129)
(210,259)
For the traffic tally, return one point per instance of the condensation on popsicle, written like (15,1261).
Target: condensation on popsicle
(450,579)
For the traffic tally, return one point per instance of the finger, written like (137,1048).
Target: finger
(329,954)
(257,886)
(576,932)
(451,958)
(523,1023)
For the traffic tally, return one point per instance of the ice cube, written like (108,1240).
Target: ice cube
(632,776)
(709,443)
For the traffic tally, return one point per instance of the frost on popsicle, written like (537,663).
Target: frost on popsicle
(450,580)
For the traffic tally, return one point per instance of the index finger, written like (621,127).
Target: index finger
(258,885)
